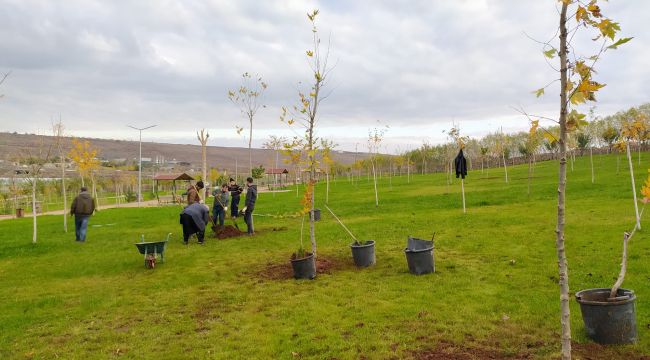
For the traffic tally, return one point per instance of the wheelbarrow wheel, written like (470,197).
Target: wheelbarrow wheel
(150,261)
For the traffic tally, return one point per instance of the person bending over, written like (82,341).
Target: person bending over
(194,218)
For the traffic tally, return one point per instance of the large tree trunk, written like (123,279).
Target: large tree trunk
(561,192)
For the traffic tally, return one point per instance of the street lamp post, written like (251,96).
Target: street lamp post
(140,163)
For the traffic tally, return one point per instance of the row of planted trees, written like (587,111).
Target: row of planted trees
(560,137)
(577,86)
(63,153)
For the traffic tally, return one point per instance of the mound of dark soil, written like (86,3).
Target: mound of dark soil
(226,232)
(283,271)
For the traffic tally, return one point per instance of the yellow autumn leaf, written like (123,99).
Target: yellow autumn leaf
(587,86)
(578,98)
(645,189)
(581,13)
(533,127)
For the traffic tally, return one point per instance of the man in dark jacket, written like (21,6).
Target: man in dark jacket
(235,191)
(193,195)
(193,218)
(249,204)
(83,206)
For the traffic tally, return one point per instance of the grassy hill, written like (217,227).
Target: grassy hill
(494,293)
(218,156)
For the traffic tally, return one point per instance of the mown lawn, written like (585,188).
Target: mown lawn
(495,285)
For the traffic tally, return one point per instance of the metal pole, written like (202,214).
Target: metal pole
(140,172)
(140,161)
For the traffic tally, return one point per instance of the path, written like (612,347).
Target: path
(148,203)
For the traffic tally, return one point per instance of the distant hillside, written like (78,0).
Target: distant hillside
(218,156)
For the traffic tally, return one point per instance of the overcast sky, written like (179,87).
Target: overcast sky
(416,66)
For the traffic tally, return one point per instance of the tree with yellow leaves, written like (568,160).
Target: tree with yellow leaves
(577,86)
(85,156)
(306,111)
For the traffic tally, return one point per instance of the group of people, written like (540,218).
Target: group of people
(195,216)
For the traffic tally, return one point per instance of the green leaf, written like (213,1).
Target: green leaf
(619,43)
(539,92)
(550,53)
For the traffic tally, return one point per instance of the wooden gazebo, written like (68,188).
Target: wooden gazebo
(173,198)
(275,173)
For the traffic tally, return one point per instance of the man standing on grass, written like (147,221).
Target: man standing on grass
(194,218)
(249,205)
(220,204)
(235,191)
(193,193)
(83,206)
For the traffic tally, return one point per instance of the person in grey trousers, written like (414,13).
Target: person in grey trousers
(249,204)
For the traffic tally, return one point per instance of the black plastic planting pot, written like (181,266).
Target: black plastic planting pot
(608,322)
(419,256)
(304,268)
(363,253)
(316,214)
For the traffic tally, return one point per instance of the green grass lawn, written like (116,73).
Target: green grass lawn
(495,285)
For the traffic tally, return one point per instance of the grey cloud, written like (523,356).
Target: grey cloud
(102,64)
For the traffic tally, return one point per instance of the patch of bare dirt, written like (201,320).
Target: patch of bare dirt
(445,350)
(450,351)
(283,271)
(593,351)
(230,231)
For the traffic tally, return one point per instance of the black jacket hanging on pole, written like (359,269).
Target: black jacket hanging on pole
(460,163)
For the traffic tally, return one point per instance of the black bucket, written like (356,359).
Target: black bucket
(364,253)
(316,215)
(608,322)
(419,256)
(304,268)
